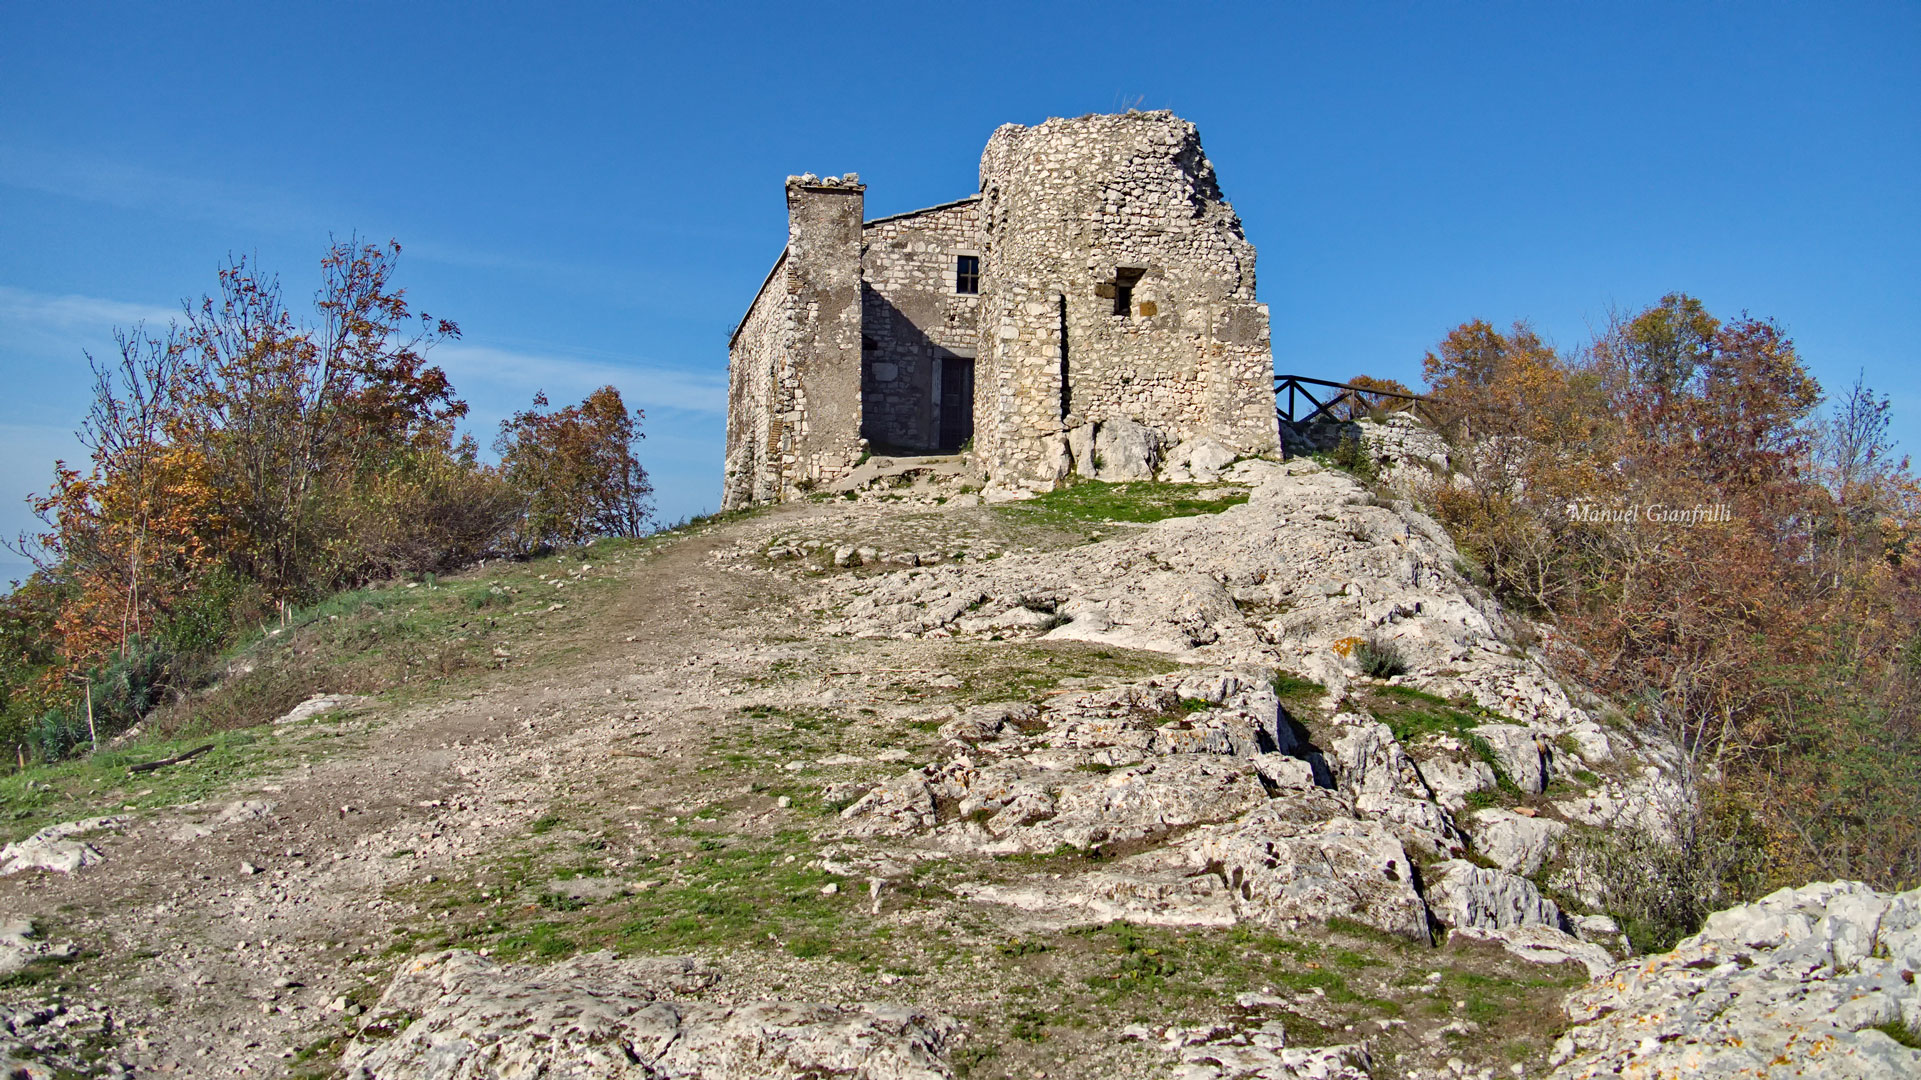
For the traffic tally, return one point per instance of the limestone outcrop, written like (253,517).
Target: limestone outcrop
(56,847)
(1805,982)
(1310,565)
(1229,809)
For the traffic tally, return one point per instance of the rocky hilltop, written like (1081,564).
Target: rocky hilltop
(1242,777)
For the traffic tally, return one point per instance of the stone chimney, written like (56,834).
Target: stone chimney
(823,281)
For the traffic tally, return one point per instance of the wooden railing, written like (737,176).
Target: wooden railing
(1344,403)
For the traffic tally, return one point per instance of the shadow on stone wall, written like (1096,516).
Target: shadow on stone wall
(1317,437)
(898,415)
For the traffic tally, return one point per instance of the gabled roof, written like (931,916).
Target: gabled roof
(922,210)
(778,263)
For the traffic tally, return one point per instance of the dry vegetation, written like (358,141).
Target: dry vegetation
(1774,638)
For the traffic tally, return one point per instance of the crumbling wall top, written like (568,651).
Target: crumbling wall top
(849,182)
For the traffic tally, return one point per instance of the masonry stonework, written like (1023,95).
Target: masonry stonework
(1114,285)
(915,323)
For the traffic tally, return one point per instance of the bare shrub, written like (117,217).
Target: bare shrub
(1380,657)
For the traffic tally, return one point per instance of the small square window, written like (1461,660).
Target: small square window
(967,274)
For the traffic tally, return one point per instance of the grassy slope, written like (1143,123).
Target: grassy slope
(401,642)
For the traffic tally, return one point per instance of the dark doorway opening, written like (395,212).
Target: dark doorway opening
(956,402)
(1125,278)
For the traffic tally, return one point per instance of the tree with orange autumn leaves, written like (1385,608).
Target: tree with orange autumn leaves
(577,466)
(246,460)
(234,440)
(1775,638)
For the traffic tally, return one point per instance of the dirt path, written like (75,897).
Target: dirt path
(219,954)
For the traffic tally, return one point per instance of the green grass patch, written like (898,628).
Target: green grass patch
(1412,714)
(736,895)
(1029,1025)
(1019,671)
(99,784)
(1410,695)
(718,895)
(1900,1032)
(409,636)
(1490,998)
(1093,502)
(545,940)
(44,970)
(1287,684)
(767,736)
(1409,722)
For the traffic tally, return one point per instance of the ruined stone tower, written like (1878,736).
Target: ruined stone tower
(1097,278)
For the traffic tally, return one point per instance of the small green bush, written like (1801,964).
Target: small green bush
(204,620)
(123,689)
(1661,892)
(1351,456)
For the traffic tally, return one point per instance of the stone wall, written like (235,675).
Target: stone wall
(757,357)
(912,317)
(1074,210)
(793,414)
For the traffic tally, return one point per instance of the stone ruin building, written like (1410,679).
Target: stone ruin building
(1095,298)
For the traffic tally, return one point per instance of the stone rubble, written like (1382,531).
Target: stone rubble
(1227,1061)
(1229,816)
(242,810)
(457,1015)
(56,1041)
(1309,565)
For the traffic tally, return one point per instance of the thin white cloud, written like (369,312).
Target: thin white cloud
(66,324)
(566,378)
(130,186)
(50,311)
(137,187)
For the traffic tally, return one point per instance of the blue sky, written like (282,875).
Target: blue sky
(594,191)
